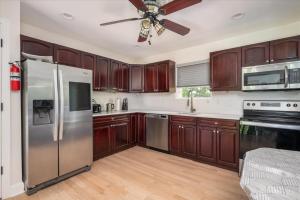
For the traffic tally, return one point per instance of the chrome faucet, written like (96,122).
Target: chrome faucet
(190,101)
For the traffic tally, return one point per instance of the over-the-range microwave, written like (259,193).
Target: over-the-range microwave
(279,76)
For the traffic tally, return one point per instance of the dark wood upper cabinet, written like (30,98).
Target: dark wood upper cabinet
(227,145)
(159,77)
(36,47)
(206,144)
(124,78)
(115,69)
(287,49)
(150,78)
(225,70)
(189,141)
(136,78)
(88,61)
(256,54)
(101,73)
(67,56)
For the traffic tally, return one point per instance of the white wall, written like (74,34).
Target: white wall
(51,36)
(12,178)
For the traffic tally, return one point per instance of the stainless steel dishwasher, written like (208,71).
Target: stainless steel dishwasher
(157,131)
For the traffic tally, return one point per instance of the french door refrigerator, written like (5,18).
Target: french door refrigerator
(57,123)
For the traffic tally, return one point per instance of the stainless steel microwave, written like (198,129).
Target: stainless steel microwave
(280,76)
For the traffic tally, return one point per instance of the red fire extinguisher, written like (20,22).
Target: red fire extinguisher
(15,77)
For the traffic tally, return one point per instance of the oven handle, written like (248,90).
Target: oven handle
(286,76)
(270,125)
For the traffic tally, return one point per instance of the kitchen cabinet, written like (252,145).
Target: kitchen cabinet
(206,144)
(111,134)
(136,78)
(256,54)
(101,73)
(120,132)
(227,147)
(124,78)
(67,56)
(283,50)
(88,61)
(225,70)
(141,129)
(183,136)
(218,142)
(36,47)
(102,141)
(114,74)
(159,77)
(134,129)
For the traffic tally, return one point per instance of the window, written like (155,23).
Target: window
(195,77)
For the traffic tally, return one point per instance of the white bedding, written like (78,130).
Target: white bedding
(271,174)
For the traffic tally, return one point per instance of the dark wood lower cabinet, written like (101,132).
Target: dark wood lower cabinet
(227,142)
(206,144)
(120,132)
(189,141)
(102,141)
(174,138)
(141,129)
(133,128)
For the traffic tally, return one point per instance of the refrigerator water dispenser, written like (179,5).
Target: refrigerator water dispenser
(43,112)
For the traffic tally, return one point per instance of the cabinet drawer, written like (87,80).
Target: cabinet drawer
(183,119)
(227,123)
(111,119)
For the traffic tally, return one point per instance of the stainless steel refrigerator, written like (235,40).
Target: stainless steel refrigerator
(57,123)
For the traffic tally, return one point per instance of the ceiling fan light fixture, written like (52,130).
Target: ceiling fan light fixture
(159,28)
(145,28)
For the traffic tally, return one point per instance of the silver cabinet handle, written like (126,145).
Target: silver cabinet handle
(272,60)
(55,125)
(267,61)
(286,76)
(214,131)
(218,132)
(61,114)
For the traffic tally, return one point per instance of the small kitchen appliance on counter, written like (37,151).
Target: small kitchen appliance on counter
(96,108)
(125,104)
(110,107)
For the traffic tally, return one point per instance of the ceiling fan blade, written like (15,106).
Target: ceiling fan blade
(139,4)
(176,5)
(120,21)
(172,26)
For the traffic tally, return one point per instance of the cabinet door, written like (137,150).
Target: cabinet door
(174,138)
(207,144)
(67,56)
(136,78)
(256,54)
(124,78)
(189,141)
(101,73)
(227,147)
(88,61)
(36,47)
(141,129)
(225,70)
(115,75)
(283,50)
(163,77)
(133,128)
(120,133)
(150,75)
(102,141)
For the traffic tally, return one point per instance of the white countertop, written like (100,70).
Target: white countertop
(204,115)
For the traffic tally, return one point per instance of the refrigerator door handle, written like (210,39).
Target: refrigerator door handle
(55,126)
(61,114)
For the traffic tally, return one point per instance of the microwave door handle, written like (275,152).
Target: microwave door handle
(286,76)
(61,114)
(55,125)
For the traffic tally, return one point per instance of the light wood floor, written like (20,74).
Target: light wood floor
(142,174)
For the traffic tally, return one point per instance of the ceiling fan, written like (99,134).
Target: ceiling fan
(149,10)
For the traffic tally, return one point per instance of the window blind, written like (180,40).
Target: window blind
(193,75)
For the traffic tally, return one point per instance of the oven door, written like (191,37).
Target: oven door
(265,77)
(255,135)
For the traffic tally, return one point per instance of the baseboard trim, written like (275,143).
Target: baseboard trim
(16,189)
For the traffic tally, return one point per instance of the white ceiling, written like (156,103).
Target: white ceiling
(209,21)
